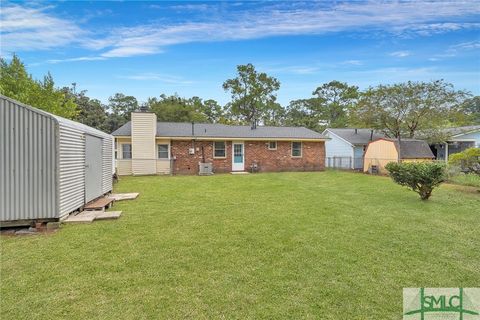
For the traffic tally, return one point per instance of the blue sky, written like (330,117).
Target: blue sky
(148,48)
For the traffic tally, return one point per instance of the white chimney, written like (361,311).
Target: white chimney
(144,130)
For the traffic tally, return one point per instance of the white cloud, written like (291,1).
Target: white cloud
(193,7)
(26,28)
(428,29)
(353,62)
(129,51)
(292,69)
(54,61)
(400,54)
(389,16)
(401,74)
(456,50)
(157,77)
(467,45)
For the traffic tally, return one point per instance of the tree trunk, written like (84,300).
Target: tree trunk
(425,194)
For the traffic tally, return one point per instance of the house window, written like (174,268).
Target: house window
(163,151)
(219,149)
(126,151)
(272,145)
(296,149)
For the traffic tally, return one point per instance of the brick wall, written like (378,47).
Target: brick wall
(313,156)
(186,163)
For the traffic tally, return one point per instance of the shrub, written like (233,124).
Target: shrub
(468,160)
(421,177)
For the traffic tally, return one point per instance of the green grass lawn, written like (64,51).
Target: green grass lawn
(329,245)
(470,179)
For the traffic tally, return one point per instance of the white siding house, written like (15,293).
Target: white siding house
(346,146)
(338,151)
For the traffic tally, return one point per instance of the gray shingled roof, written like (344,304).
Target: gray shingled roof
(446,133)
(214,130)
(413,149)
(459,130)
(361,136)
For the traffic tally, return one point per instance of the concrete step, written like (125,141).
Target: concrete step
(103,215)
(80,218)
(124,196)
(90,216)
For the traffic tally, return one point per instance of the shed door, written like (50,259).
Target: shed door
(93,167)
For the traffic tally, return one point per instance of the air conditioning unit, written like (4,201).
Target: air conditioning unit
(205,168)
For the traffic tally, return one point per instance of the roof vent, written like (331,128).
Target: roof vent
(356,130)
(371,135)
(143,108)
(254,124)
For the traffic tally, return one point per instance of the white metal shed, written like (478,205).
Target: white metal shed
(49,166)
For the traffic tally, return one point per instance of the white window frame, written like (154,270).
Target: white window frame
(301,149)
(124,144)
(158,151)
(224,150)
(272,148)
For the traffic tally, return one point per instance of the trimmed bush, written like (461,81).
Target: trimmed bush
(468,160)
(421,177)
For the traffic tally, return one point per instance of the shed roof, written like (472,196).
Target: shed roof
(356,136)
(80,126)
(60,120)
(215,130)
(412,148)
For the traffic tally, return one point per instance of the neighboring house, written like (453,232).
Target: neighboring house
(346,146)
(385,150)
(145,146)
(50,166)
(458,139)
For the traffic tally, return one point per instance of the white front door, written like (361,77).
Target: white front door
(238,156)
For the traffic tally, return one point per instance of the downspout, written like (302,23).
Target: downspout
(193,136)
(399,150)
(446,151)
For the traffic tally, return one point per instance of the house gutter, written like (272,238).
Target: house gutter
(233,139)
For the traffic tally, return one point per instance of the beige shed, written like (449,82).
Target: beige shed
(384,150)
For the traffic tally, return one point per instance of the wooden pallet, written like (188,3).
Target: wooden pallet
(99,204)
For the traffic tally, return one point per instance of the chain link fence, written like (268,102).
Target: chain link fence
(344,163)
(370,165)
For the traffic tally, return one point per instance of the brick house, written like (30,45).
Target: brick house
(144,146)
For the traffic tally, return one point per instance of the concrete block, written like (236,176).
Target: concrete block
(80,218)
(107,215)
(53,225)
(124,196)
